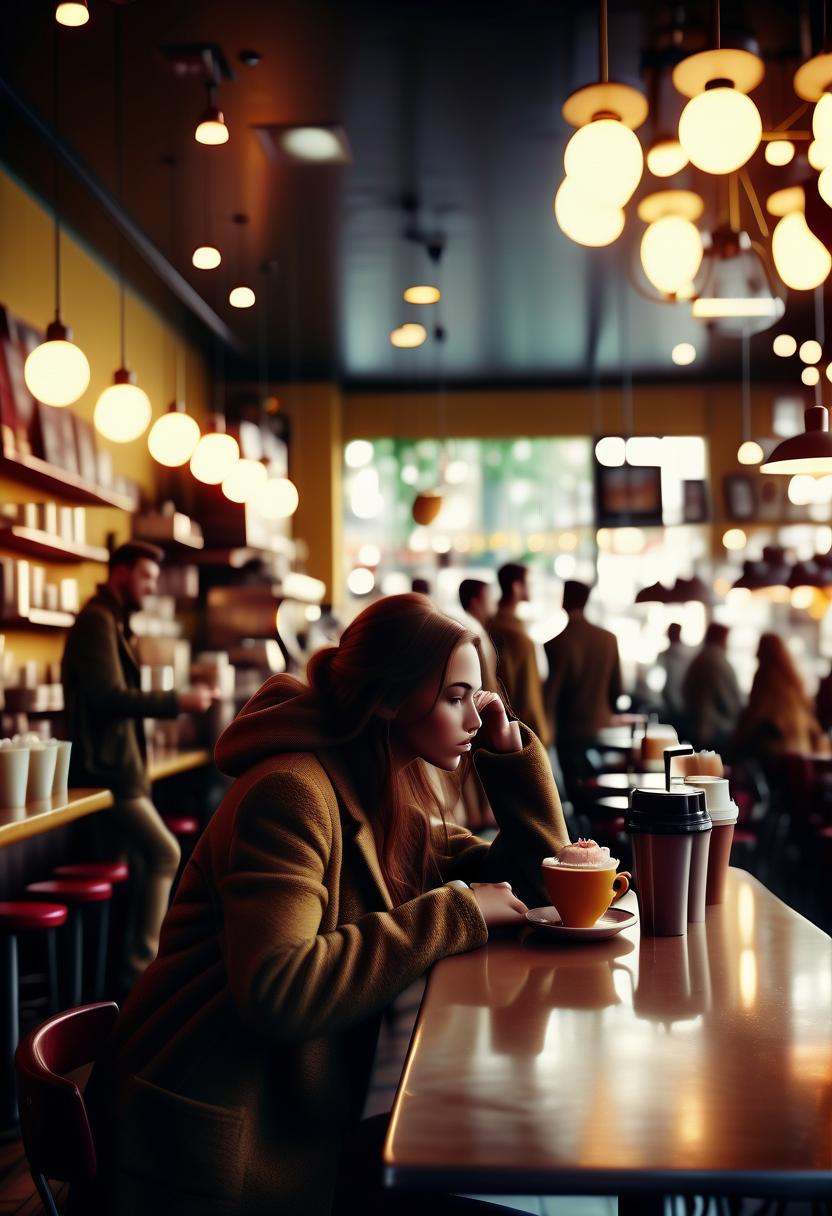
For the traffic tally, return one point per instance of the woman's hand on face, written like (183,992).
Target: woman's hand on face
(497,904)
(500,734)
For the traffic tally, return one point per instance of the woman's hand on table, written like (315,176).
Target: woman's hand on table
(497,904)
(498,733)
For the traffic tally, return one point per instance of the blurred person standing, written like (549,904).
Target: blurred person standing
(778,718)
(105,707)
(675,662)
(475,598)
(584,677)
(712,696)
(516,659)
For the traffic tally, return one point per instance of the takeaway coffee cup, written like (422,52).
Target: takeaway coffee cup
(14,774)
(664,825)
(60,783)
(724,814)
(582,882)
(42,759)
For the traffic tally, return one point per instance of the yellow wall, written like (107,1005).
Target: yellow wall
(90,307)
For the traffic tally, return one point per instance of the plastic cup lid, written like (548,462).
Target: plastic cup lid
(717,797)
(674,812)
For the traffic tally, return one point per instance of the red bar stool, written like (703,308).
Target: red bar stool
(76,893)
(115,873)
(15,918)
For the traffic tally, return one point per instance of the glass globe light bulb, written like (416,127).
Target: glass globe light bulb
(666,158)
(825,185)
(241,297)
(779,152)
(213,457)
(720,130)
(206,257)
(172,439)
(802,261)
(73,13)
(750,452)
(278,498)
(57,372)
(605,161)
(819,154)
(211,128)
(408,336)
(123,411)
(671,253)
(822,119)
(585,221)
(244,481)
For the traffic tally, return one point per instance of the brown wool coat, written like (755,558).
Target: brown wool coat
(518,670)
(584,680)
(244,1053)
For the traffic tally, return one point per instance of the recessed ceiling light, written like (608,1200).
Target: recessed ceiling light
(318,144)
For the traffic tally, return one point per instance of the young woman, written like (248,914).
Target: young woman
(326,882)
(778,718)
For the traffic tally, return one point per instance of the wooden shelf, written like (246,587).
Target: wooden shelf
(39,618)
(37,543)
(36,472)
(173,544)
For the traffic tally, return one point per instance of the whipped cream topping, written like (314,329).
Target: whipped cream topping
(586,854)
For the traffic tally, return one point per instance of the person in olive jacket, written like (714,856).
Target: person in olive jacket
(326,882)
(104,708)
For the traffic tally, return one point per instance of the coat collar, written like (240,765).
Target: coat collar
(336,770)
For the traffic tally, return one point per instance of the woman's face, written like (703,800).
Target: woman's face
(442,734)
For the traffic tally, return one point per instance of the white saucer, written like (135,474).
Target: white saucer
(612,922)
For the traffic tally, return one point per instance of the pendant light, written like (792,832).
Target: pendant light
(811,451)
(215,454)
(749,451)
(241,294)
(206,256)
(603,160)
(57,371)
(801,260)
(123,411)
(720,127)
(211,129)
(671,249)
(278,498)
(175,434)
(72,13)
(813,82)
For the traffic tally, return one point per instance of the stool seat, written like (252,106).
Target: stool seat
(181,825)
(73,890)
(106,871)
(19,916)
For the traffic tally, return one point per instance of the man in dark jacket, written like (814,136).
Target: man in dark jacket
(105,708)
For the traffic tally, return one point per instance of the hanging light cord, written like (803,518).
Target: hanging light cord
(603,43)
(119,116)
(55,183)
(820,333)
(717,27)
(746,387)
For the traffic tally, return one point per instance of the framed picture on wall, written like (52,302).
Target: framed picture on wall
(58,437)
(85,446)
(695,502)
(629,495)
(772,498)
(740,493)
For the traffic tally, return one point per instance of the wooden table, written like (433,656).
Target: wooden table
(37,817)
(614,739)
(631,1066)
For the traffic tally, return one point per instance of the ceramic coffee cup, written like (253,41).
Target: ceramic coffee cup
(582,894)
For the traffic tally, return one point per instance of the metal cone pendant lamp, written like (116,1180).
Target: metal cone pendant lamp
(809,452)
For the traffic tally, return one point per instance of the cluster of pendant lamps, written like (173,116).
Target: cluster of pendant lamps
(719,130)
(57,372)
(412,333)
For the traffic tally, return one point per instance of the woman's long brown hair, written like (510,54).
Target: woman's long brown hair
(391,661)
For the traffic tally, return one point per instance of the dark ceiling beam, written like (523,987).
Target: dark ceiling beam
(123,222)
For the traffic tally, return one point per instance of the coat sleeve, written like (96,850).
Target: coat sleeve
(291,981)
(526,805)
(94,650)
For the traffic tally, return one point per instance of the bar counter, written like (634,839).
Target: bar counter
(631,1065)
(37,817)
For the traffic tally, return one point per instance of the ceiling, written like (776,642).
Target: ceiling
(452,109)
